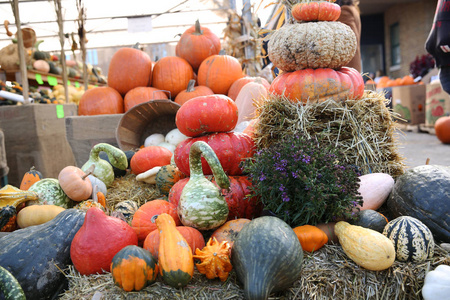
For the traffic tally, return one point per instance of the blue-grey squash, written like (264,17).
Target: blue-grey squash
(267,257)
(36,255)
(423,192)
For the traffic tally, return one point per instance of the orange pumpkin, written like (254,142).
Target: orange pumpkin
(100,101)
(192,91)
(442,129)
(142,223)
(316,11)
(228,232)
(214,259)
(236,87)
(172,74)
(311,237)
(193,237)
(29,178)
(319,84)
(218,72)
(196,44)
(129,68)
(149,157)
(140,95)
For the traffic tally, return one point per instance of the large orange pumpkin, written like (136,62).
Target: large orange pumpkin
(142,218)
(140,95)
(319,85)
(100,101)
(192,236)
(172,74)
(129,68)
(442,129)
(236,87)
(149,157)
(196,44)
(192,91)
(218,72)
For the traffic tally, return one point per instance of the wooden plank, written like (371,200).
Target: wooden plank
(84,132)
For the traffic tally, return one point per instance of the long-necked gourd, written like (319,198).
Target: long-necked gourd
(103,169)
(202,205)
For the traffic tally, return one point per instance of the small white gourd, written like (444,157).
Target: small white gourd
(154,139)
(437,284)
(175,137)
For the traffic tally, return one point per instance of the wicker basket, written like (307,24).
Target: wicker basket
(155,116)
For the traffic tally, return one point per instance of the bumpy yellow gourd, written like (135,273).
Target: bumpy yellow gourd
(366,247)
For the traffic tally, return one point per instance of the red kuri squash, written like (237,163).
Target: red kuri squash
(207,114)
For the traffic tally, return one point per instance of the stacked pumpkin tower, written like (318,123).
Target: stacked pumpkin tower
(311,52)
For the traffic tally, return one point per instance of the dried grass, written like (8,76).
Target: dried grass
(363,129)
(327,274)
(127,188)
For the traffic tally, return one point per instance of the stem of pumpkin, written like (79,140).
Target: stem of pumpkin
(88,172)
(200,148)
(198,29)
(191,85)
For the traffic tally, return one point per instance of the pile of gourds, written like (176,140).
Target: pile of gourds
(166,238)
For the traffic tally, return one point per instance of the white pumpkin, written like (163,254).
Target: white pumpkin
(168,146)
(175,137)
(101,186)
(375,189)
(154,139)
(437,284)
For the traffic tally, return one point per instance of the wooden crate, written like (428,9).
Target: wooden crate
(35,136)
(84,132)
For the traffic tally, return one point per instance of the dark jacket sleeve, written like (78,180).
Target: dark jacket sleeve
(438,41)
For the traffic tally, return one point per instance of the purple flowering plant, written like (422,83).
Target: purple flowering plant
(304,181)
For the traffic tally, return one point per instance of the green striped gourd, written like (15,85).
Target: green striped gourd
(10,286)
(412,239)
(103,169)
(202,204)
(50,192)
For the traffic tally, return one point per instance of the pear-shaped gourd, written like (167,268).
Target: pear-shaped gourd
(267,257)
(202,205)
(104,170)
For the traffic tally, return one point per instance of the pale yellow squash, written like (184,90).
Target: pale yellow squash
(366,247)
(37,214)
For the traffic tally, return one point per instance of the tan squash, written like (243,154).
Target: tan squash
(251,95)
(37,214)
(366,247)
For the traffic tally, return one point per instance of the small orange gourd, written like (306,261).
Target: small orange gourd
(214,259)
(175,260)
(29,178)
(311,237)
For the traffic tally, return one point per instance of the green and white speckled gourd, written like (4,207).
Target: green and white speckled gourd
(10,286)
(202,204)
(103,169)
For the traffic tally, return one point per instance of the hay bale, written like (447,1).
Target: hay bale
(363,129)
(326,274)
